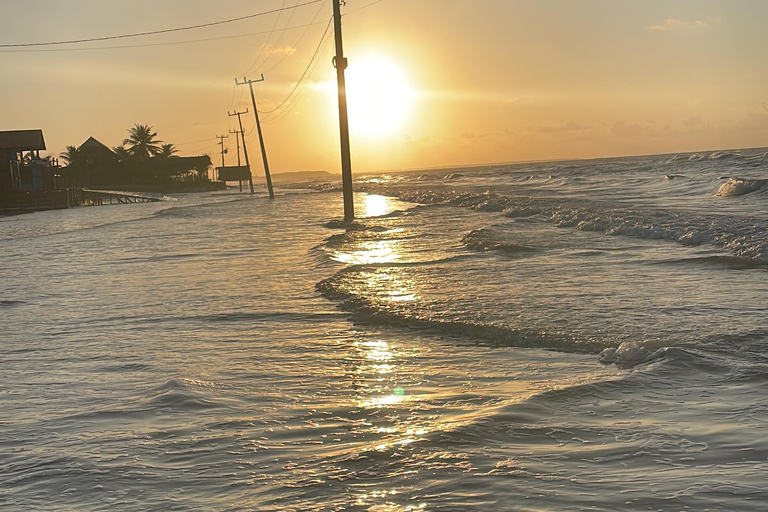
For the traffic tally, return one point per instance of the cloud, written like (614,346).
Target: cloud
(693,122)
(676,24)
(632,130)
(512,101)
(757,119)
(571,126)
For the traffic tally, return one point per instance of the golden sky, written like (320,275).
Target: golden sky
(431,82)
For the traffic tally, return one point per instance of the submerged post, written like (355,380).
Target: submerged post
(258,129)
(245,147)
(340,63)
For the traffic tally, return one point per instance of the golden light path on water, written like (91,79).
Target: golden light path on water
(384,370)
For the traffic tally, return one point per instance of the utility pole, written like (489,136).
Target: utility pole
(245,147)
(258,128)
(221,143)
(340,63)
(237,141)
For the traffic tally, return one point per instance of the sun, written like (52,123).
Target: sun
(379,96)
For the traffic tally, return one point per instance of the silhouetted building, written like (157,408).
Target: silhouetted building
(27,181)
(180,168)
(21,168)
(97,164)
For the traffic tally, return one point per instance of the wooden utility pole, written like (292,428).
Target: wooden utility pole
(258,128)
(237,141)
(340,63)
(245,147)
(221,143)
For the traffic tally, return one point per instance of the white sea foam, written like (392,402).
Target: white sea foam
(630,353)
(739,186)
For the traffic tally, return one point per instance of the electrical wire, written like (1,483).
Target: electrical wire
(317,50)
(146,45)
(276,118)
(277,43)
(153,32)
(363,7)
(301,37)
(263,47)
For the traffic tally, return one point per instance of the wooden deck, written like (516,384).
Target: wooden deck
(99,197)
(18,202)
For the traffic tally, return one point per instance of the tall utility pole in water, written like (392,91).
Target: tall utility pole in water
(245,147)
(340,63)
(258,128)
(237,141)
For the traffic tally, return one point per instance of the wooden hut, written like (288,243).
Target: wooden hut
(27,181)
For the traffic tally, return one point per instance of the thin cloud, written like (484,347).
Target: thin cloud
(676,24)
(571,126)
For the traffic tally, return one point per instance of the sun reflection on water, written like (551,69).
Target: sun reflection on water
(370,252)
(376,205)
(388,376)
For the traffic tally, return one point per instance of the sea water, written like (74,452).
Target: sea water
(586,335)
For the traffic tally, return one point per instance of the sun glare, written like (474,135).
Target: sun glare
(379,96)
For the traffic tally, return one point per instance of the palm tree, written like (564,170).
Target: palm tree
(142,142)
(122,154)
(71,156)
(167,151)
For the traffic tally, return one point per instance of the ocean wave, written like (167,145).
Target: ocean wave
(735,187)
(745,240)
(487,240)
(183,394)
(720,155)
(11,303)
(717,261)
(367,310)
(631,354)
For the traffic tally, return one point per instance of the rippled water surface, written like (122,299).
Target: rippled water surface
(558,336)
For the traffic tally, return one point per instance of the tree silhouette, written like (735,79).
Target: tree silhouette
(122,154)
(71,156)
(167,151)
(142,142)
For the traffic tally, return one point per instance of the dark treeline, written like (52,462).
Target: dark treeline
(141,159)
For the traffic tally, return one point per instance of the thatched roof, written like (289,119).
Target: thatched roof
(22,140)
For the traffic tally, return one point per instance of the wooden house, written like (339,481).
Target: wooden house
(97,164)
(28,182)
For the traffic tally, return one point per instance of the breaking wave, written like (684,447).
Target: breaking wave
(735,187)
(487,240)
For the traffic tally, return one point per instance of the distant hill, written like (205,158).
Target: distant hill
(300,176)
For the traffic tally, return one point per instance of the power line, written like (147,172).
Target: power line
(264,46)
(192,142)
(297,41)
(363,7)
(145,45)
(279,38)
(317,50)
(276,118)
(153,32)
